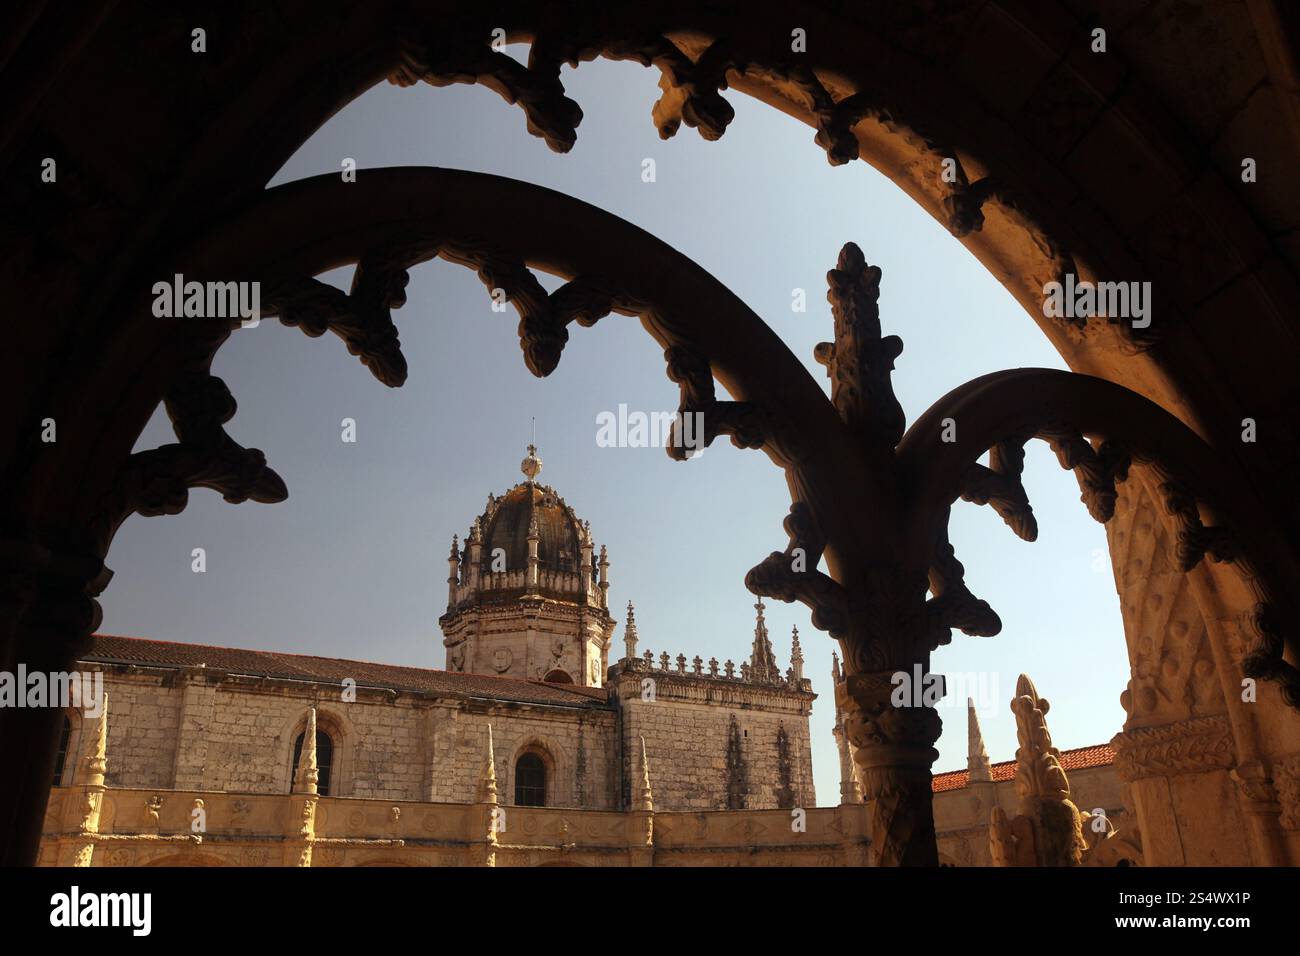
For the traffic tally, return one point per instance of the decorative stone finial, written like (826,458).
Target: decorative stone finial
(488,784)
(308,772)
(97,758)
(796,655)
(532,465)
(762,662)
(646,801)
(629,633)
(977,758)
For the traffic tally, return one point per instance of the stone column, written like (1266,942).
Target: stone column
(893,748)
(850,788)
(1185,800)
(47,614)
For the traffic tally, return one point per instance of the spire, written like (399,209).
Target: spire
(762,662)
(629,633)
(97,759)
(453,571)
(646,799)
(308,773)
(835,667)
(977,758)
(487,788)
(796,655)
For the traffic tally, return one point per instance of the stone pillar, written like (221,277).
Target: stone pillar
(850,789)
(534,562)
(893,748)
(629,634)
(1185,800)
(475,554)
(585,561)
(47,614)
(854,841)
(603,567)
(198,702)
(453,571)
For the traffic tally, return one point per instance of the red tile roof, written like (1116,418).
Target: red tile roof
(1081,758)
(111,649)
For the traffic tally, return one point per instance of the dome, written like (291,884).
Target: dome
(506,522)
(559,546)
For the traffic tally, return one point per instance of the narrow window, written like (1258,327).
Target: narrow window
(530,781)
(61,758)
(324,761)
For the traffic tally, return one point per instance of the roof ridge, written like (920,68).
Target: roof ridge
(567,688)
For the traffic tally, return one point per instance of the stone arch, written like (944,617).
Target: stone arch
(1082,119)
(335,722)
(555,762)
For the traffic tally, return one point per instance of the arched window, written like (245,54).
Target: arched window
(61,758)
(558,676)
(324,761)
(530,781)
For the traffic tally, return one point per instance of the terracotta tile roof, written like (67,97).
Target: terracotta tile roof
(112,649)
(1081,758)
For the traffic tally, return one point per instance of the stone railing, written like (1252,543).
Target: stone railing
(141,827)
(564,583)
(647,663)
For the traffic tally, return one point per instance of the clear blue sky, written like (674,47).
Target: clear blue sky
(353,564)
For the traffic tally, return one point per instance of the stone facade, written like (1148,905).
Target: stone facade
(527,636)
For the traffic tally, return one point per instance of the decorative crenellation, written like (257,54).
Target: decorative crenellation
(760,670)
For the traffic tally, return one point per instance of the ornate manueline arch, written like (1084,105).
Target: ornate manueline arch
(1027,199)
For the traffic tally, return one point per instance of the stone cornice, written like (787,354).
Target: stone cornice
(705,689)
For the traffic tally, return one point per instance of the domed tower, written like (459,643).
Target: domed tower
(527,594)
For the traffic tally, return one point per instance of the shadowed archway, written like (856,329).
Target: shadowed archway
(1042,158)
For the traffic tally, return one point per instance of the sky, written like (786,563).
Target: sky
(353,564)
